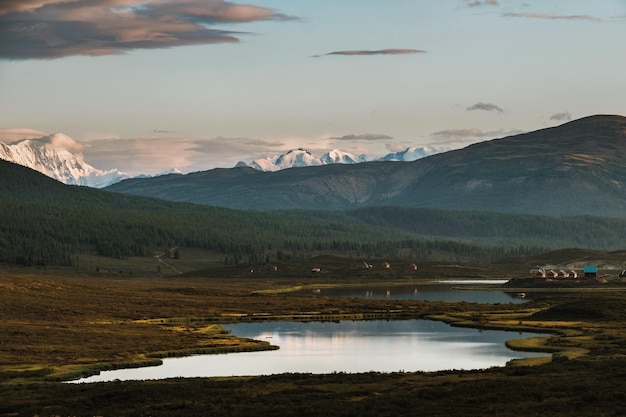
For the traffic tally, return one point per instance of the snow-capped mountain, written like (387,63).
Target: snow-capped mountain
(59,156)
(412,154)
(295,158)
(340,157)
(303,158)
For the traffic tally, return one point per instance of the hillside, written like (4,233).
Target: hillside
(577,168)
(43,221)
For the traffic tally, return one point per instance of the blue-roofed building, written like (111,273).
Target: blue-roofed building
(590,271)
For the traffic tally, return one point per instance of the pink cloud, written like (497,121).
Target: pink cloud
(55,29)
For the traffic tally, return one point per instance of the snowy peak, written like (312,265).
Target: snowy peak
(297,158)
(340,157)
(58,156)
(303,158)
(412,154)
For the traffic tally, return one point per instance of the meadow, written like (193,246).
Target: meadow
(60,324)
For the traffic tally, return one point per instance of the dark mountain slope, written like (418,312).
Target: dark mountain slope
(320,187)
(573,169)
(576,168)
(43,221)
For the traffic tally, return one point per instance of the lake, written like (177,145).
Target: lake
(347,346)
(444,290)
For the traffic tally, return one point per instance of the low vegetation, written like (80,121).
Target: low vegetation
(92,280)
(58,324)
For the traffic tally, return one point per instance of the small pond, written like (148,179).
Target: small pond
(346,346)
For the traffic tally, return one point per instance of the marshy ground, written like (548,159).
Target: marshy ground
(58,324)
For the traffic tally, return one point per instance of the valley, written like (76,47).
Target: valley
(60,324)
(232,208)
(92,280)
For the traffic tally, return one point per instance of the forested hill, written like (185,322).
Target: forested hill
(578,168)
(45,222)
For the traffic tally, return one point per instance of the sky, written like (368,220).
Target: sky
(148,85)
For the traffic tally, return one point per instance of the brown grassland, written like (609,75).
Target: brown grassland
(58,324)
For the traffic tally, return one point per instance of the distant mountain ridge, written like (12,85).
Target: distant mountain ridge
(299,158)
(573,169)
(47,222)
(58,156)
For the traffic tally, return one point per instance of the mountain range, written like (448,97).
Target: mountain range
(299,158)
(44,221)
(59,156)
(577,168)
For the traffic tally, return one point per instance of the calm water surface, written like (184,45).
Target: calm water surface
(444,290)
(347,346)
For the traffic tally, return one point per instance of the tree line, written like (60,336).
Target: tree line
(45,222)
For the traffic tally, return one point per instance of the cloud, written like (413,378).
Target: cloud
(153,155)
(562,117)
(477,3)
(16,6)
(550,16)
(485,107)
(48,29)
(57,140)
(375,52)
(365,137)
(62,141)
(471,135)
(395,147)
(458,133)
(17,134)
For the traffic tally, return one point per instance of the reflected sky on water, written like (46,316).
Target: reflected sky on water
(347,346)
(450,290)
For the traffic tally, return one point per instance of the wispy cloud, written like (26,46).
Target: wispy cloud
(10,135)
(153,155)
(370,137)
(48,29)
(458,134)
(471,135)
(485,107)
(478,3)
(374,52)
(562,117)
(550,16)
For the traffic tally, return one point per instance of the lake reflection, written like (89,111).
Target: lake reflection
(347,346)
(429,292)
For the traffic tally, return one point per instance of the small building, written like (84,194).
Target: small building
(316,270)
(413,267)
(367,266)
(622,274)
(537,273)
(386,265)
(551,274)
(590,271)
(572,274)
(561,274)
